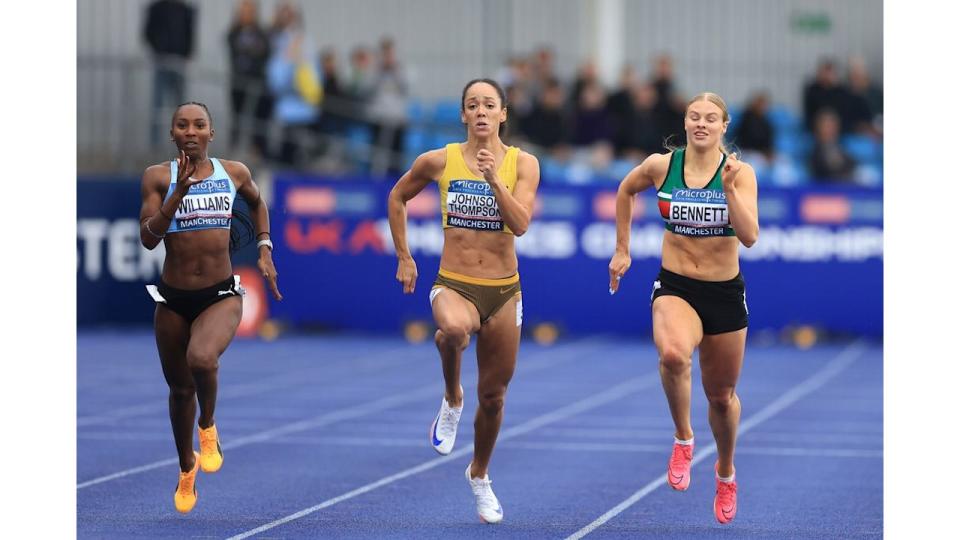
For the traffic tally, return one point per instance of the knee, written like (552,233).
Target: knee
(675,359)
(203,361)
(491,401)
(722,400)
(183,392)
(453,335)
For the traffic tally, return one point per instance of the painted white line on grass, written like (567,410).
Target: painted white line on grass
(551,359)
(831,370)
(607,396)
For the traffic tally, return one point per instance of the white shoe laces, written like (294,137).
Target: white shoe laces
(449,417)
(484,492)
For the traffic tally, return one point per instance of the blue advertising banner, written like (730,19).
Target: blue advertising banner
(112,266)
(819,259)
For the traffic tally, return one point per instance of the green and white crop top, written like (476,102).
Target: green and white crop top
(693,212)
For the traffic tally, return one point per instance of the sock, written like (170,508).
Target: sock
(688,442)
(727,479)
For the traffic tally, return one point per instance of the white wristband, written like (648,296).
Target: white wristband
(265,242)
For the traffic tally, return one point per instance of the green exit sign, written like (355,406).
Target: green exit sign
(810,23)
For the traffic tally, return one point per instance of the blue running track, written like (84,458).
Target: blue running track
(327,437)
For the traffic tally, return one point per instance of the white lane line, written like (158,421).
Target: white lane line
(552,446)
(283,380)
(659,449)
(552,359)
(607,396)
(407,442)
(831,370)
(811,452)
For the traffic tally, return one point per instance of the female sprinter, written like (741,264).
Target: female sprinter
(188,203)
(487,191)
(708,200)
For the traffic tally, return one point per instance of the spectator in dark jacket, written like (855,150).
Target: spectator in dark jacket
(641,136)
(829,162)
(590,122)
(250,101)
(864,109)
(336,102)
(754,130)
(168,31)
(547,122)
(823,92)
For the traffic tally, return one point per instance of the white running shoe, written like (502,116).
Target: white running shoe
(488,507)
(443,430)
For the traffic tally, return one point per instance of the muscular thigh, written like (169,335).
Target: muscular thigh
(498,343)
(451,309)
(675,324)
(721,358)
(215,327)
(172,334)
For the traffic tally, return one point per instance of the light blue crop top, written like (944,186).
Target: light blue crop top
(207,205)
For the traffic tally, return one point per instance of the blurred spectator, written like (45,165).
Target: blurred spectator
(295,83)
(590,122)
(336,102)
(519,109)
(517,73)
(662,78)
(865,107)
(640,136)
(547,125)
(823,92)
(754,131)
(543,71)
(285,15)
(670,115)
(388,109)
(829,162)
(169,31)
(620,107)
(670,106)
(250,101)
(620,103)
(586,76)
(362,81)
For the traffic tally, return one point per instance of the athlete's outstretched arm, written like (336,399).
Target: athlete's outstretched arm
(516,208)
(640,178)
(261,221)
(425,168)
(740,186)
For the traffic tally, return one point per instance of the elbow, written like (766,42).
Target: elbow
(751,239)
(148,243)
(394,198)
(521,228)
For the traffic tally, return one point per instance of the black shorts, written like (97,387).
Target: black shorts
(721,305)
(189,304)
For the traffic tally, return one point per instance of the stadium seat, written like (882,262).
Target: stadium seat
(784,118)
(416,112)
(793,143)
(863,149)
(446,111)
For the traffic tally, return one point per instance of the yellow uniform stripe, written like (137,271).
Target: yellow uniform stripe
(499,282)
